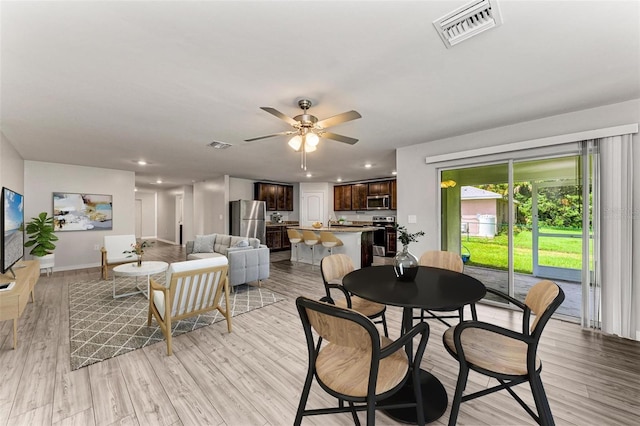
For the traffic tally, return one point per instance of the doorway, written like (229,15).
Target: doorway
(518,221)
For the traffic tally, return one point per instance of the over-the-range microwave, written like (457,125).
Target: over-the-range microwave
(377,202)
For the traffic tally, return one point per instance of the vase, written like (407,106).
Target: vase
(405,265)
(139,260)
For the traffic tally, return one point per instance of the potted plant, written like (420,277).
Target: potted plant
(138,250)
(404,263)
(41,236)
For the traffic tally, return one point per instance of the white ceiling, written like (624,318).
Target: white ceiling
(104,84)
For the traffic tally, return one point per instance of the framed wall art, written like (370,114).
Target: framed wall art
(82,212)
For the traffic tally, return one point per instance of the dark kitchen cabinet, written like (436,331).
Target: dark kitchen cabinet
(392,241)
(393,194)
(277,197)
(342,198)
(274,238)
(359,192)
(379,188)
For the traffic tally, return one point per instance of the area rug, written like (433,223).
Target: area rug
(101,327)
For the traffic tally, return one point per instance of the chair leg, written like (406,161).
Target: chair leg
(354,414)
(457,397)
(227,312)
(371,411)
(304,397)
(384,325)
(474,314)
(540,398)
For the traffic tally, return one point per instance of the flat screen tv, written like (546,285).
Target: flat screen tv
(12,228)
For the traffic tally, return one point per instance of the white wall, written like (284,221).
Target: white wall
(210,208)
(148,200)
(418,182)
(11,166)
(166,214)
(77,249)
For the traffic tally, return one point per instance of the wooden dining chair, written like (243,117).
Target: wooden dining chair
(444,260)
(506,355)
(333,268)
(353,363)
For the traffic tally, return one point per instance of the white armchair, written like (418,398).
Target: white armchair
(192,287)
(113,250)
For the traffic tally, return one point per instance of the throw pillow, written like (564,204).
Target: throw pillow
(204,243)
(243,243)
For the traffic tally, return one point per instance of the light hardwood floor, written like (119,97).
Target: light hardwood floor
(254,375)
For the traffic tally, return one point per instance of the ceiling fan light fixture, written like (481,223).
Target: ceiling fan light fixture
(295,143)
(309,148)
(311,139)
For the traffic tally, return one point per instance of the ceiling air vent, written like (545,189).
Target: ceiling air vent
(219,145)
(468,21)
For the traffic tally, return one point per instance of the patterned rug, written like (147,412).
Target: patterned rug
(102,327)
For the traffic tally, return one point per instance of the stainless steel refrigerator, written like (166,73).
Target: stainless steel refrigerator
(248,219)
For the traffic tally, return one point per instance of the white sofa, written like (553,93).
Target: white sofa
(248,259)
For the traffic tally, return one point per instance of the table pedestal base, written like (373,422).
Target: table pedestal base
(434,400)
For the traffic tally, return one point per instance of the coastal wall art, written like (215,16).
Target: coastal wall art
(82,212)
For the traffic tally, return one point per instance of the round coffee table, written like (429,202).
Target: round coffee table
(147,268)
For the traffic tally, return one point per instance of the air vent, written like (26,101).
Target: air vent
(468,21)
(219,145)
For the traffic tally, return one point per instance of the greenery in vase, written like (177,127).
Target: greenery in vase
(41,236)
(138,248)
(407,237)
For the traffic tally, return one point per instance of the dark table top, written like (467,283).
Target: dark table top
(433,288)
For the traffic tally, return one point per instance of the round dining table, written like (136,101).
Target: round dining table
(432,289)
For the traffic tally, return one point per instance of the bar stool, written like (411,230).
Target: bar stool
(295,238)
(329,241)
(311,239)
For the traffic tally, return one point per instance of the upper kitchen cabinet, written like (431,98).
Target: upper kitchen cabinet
(379,188)
(393,194)
(359,192)
(350,197)
(342,197)
(277,197)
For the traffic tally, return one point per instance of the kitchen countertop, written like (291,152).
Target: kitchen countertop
(281,224)
(336,228)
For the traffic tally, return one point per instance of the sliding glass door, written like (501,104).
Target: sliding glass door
(519,221)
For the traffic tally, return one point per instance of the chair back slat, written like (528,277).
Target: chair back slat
(539,297)
(442,259)
(339,331)
(196,290)
(335,266)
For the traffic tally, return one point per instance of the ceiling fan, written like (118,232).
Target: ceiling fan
(309,128)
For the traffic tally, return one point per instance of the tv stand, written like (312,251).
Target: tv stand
(13,302)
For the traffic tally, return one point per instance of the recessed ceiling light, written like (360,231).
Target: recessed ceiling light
(308,174)
(394,173)
(142,163)
(339,179)
(135,189)
(367,166)
(159,181)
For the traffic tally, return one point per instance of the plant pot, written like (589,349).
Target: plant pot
(405,265)
(139,260)
(47,262)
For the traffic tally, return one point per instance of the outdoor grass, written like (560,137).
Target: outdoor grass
(552,251)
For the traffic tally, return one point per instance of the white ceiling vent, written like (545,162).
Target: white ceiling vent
(468,21)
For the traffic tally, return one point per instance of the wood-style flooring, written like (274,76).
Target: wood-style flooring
(254,375)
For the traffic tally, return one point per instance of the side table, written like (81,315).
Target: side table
(133,270)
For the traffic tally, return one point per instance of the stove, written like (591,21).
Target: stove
(381,246)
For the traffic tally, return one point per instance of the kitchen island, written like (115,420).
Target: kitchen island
(357,244)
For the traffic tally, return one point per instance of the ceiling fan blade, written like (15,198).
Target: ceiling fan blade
(337,119)
(280,115)
(339,138)
(268,136)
